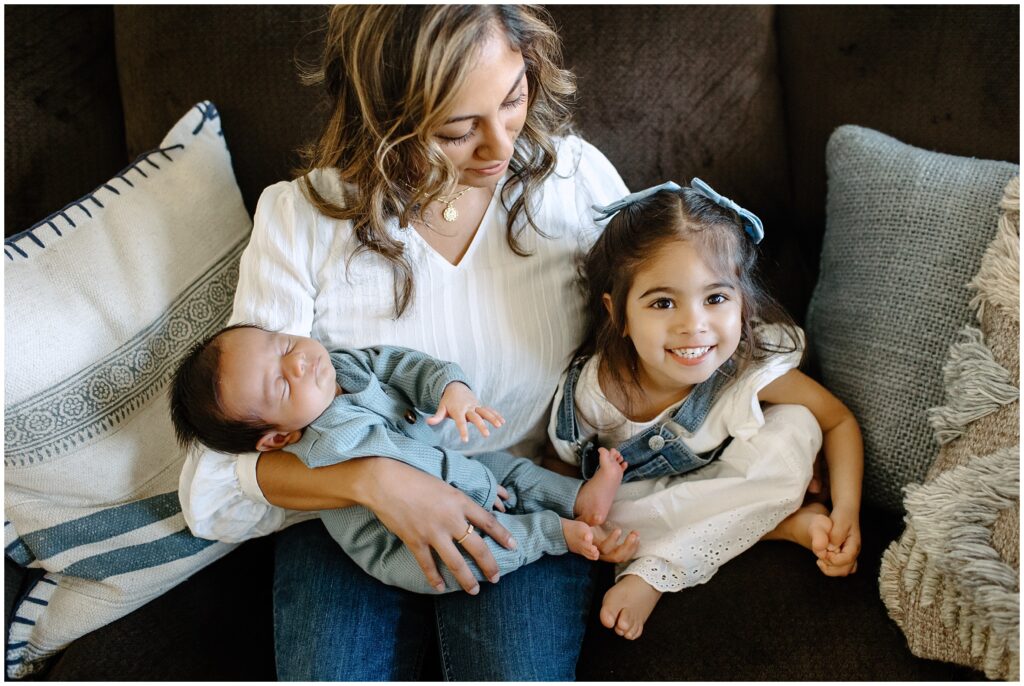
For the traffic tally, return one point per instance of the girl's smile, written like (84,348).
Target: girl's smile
(691,356)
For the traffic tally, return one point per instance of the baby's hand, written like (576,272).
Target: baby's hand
(499,502)
(461,404)
(843,544)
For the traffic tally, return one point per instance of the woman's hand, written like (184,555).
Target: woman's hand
(428,514)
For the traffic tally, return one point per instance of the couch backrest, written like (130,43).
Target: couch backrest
(742,96)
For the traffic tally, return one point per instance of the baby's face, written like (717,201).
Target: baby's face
(287,381)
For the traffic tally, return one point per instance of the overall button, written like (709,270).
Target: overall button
(656,442)
(410,416)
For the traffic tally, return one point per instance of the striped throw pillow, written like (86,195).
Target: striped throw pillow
(102,298)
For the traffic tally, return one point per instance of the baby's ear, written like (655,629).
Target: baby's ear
(275,440)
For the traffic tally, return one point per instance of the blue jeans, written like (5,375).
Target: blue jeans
(334,622)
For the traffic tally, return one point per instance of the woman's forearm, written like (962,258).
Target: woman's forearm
(426,513)
(288,483)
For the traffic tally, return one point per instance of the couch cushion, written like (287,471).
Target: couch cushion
(101,300)
(906,230)
(769,615)
(952,581)
(216,626)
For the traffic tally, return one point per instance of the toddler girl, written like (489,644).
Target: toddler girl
(682,348)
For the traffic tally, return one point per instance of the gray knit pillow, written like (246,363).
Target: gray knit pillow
(906,230)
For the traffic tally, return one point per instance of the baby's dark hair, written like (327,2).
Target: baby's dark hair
(196,410)
(633,237)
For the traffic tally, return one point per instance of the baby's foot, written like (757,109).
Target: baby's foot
(627,605)
(596,495)
(580,538)
(809,526)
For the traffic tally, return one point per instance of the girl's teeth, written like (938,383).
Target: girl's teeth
(691,352)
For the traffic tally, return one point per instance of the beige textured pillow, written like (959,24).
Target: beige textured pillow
(952,580)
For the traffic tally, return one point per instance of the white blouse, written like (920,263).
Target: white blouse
(690,525)
(510,322)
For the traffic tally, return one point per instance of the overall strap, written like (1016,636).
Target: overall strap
(566,428)
(661,449)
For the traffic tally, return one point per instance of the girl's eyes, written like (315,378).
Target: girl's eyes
(668,303)
(459,140)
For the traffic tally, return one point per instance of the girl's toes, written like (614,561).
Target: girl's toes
(624,625)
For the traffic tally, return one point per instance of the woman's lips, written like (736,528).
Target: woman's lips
(491,171)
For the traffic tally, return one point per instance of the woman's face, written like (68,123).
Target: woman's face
(488,114)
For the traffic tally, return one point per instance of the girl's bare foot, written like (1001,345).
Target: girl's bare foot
(579,538)
(627,605)
(596,495)
(809,526)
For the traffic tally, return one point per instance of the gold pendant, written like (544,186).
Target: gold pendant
(450,214)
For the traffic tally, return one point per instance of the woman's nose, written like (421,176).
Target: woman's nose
(497,142)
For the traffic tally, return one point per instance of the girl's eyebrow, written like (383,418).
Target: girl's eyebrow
(474,116)
(658,289)
(672,291)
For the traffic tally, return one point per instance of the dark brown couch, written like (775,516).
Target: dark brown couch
(744,96)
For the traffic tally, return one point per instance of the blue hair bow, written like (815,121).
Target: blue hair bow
(609,210)
(751,222)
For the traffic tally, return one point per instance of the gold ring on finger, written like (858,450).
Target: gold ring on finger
(469,530)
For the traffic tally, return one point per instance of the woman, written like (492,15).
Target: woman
(442,209)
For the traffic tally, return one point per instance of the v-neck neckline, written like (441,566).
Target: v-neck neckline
(481,229)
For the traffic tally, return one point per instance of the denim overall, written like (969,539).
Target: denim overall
(660,449)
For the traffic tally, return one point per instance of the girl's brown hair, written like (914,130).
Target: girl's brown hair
(391,73)
(633,237)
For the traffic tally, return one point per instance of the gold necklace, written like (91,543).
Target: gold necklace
(450,214)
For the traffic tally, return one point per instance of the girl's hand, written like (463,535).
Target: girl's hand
(843,544)
(610,548)
(429,515)
(462,405)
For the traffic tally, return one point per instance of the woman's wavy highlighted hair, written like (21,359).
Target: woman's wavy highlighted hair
(391,73)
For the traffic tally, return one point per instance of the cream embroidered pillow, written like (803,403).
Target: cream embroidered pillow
(101,300)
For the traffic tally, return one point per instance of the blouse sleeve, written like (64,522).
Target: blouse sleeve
(275,277)
(219,493)
(216,506)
